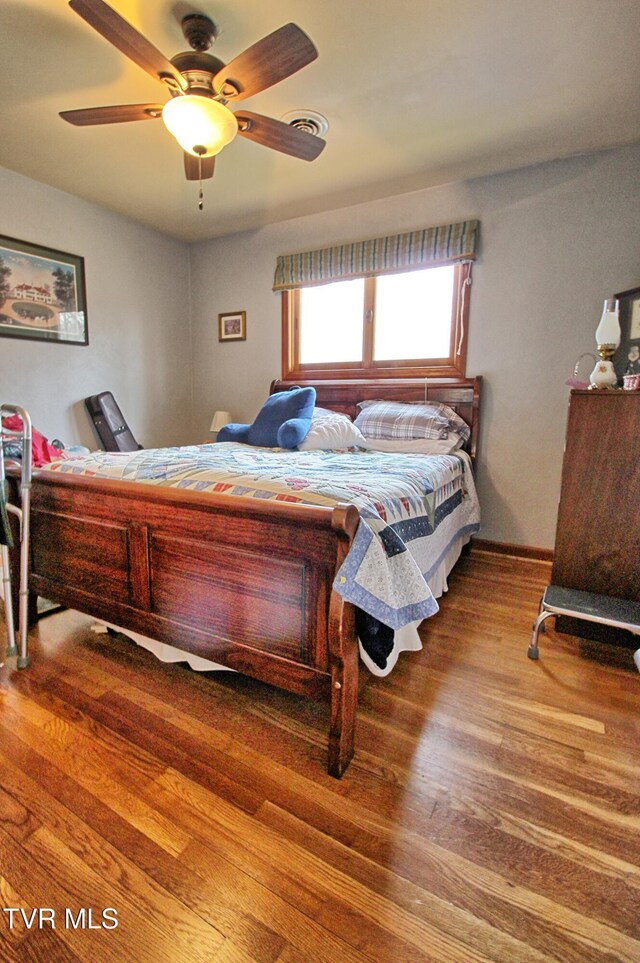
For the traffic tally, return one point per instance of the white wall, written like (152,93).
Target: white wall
(556,239)
(138,312)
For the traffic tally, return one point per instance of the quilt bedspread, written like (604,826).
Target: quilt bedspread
(401,498)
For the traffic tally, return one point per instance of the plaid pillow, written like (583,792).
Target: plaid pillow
(455,422)
(410,421)
(391,419)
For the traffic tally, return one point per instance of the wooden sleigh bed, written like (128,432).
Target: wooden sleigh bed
(241,581)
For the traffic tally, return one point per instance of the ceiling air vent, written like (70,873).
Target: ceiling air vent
(309,121)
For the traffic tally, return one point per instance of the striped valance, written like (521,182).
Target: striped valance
(431,247)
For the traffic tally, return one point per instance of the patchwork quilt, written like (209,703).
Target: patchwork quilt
(402,499)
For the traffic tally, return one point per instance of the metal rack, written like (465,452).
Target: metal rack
(23,439)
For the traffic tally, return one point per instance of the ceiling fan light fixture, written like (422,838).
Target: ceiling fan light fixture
(201,126)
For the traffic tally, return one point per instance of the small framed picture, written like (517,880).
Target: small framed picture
(232,327)
(626,359)
(42,293)
(634,317)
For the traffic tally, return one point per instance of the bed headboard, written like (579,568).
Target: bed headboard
(461,394)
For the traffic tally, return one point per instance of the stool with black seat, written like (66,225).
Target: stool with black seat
(605,609)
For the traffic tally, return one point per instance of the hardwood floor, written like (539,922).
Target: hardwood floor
(492,810)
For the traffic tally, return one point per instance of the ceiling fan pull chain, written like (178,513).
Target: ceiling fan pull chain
(200,194)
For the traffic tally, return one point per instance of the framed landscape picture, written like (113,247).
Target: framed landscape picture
(42,293)
(232,327)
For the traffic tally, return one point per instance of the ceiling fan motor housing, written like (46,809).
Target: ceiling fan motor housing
(199,69)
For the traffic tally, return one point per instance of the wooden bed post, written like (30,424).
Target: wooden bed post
(343,655)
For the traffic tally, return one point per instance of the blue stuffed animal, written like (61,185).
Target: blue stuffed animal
(282,422)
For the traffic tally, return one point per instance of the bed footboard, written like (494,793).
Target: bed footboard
(243,582)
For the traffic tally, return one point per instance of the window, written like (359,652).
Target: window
(409,323)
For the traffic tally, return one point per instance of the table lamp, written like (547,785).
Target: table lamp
(220,419)
(607,340)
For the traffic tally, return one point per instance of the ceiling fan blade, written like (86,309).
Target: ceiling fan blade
(267,62)
(273,133)
(192,167)
(111,115)
(126,38)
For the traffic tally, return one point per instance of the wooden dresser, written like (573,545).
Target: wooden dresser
(598,533)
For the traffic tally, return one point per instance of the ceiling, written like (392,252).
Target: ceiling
(417,93)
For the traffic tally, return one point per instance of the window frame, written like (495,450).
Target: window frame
(452,367)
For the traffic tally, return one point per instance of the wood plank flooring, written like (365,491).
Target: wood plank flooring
(492,811)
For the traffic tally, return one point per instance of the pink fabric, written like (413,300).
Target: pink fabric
(42,451)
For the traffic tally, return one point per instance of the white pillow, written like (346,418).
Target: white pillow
(418,446)
(330,429)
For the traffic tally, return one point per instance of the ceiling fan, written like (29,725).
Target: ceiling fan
(201,87)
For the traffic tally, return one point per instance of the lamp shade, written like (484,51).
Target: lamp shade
(201,126)
(220,419)
(608,331)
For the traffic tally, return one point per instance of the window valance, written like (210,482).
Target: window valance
(431,247)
